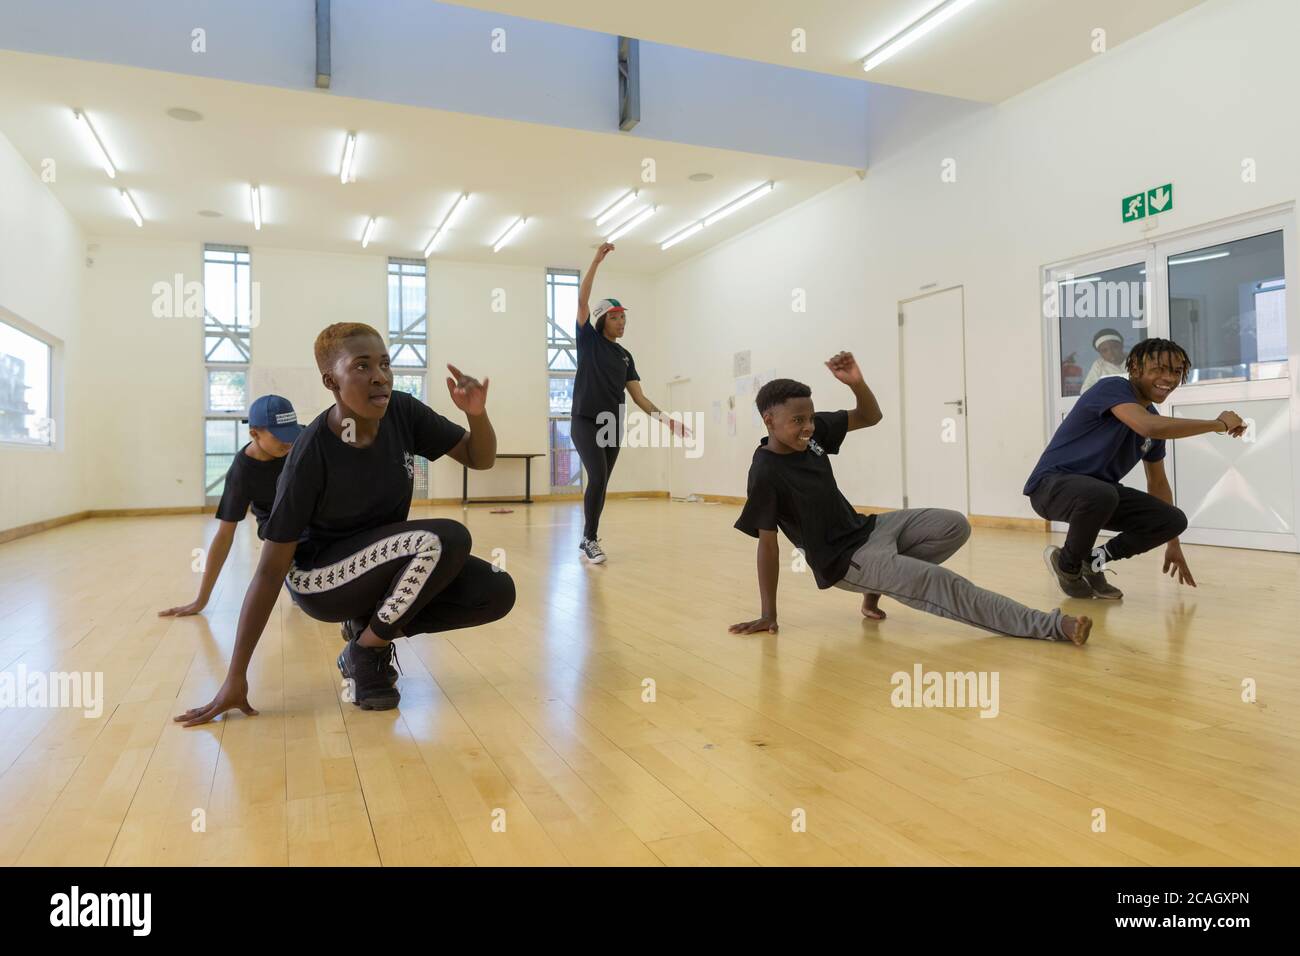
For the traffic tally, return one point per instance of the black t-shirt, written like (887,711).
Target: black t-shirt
(797,493)
(249,481)
(331,490)
(604,369)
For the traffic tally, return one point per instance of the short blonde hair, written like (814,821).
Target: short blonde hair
(330,341)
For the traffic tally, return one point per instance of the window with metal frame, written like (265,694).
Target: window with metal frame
(408,341)
(228,319)
(561,363)
(26,365)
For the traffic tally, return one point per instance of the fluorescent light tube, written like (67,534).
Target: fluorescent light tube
(456,207)
(632,223)
(741,203)
(131,209)
(509,233)
(619,203)
(96,144)
(901,41)
(349,153)
(684,234)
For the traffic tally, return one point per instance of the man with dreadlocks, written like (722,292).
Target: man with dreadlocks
(1077,479)
(899,554)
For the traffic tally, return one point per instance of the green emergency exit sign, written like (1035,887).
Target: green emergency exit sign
(1148,203)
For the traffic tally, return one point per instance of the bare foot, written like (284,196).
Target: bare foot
(1077,629)
(871,608)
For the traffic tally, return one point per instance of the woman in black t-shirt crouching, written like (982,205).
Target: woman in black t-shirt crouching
(338,534)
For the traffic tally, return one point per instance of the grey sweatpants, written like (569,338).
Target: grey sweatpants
(901,560)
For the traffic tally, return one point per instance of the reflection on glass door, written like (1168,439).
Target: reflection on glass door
(1227,306)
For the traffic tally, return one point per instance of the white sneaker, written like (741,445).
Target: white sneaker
(591,551)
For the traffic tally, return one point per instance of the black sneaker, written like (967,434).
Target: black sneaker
(351,631)
(1101,587)
(368,669)
(1072,584)
(591,551)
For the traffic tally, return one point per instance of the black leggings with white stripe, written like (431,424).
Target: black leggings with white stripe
(413,577)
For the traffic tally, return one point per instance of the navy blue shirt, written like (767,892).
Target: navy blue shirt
(604,369)
(1093,442)
(797,493)
(249,482)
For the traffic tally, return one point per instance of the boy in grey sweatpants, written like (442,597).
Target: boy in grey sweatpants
(792,487)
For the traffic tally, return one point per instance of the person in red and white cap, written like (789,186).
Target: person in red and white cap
(604,370)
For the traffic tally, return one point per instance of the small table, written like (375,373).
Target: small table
(527,499)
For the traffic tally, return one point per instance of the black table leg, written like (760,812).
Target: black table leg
(464,484)
(528,481)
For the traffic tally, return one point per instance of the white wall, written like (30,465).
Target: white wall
(148,428)
(41,275)
(1039,179)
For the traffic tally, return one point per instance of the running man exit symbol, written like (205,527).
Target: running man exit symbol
(1149,203)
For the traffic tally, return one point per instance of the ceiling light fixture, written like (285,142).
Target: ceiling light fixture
(509,233)
(131,209)
(365,234)
(349,153)
(96,143)
(632,223)
(684,234)
(919,28)
(753,195)
(255,195)
(456,207)
(619,204)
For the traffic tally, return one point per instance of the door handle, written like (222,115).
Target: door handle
(960,405)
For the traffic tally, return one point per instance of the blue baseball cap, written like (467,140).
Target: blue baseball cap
(275,414)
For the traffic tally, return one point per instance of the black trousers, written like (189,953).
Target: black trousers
(599,460)
(1090,505)
(413,577)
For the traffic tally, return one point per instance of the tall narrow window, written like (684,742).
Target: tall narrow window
(561,361)
(408,340)
(24,388)
(227,352)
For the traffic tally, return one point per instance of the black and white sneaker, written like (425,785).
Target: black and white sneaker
(351,630)
(1072,585)
(1101,587)
(591,551)
(368,668)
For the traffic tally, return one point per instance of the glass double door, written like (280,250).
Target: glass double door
(1220,293)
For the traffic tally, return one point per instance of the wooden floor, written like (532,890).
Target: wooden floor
(542,715)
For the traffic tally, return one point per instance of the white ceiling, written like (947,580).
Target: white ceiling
(990,51)
(411,164)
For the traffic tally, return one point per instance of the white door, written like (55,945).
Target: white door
(932,341)
(1225,292)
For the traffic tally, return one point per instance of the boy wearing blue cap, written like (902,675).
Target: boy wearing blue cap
(250,482)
